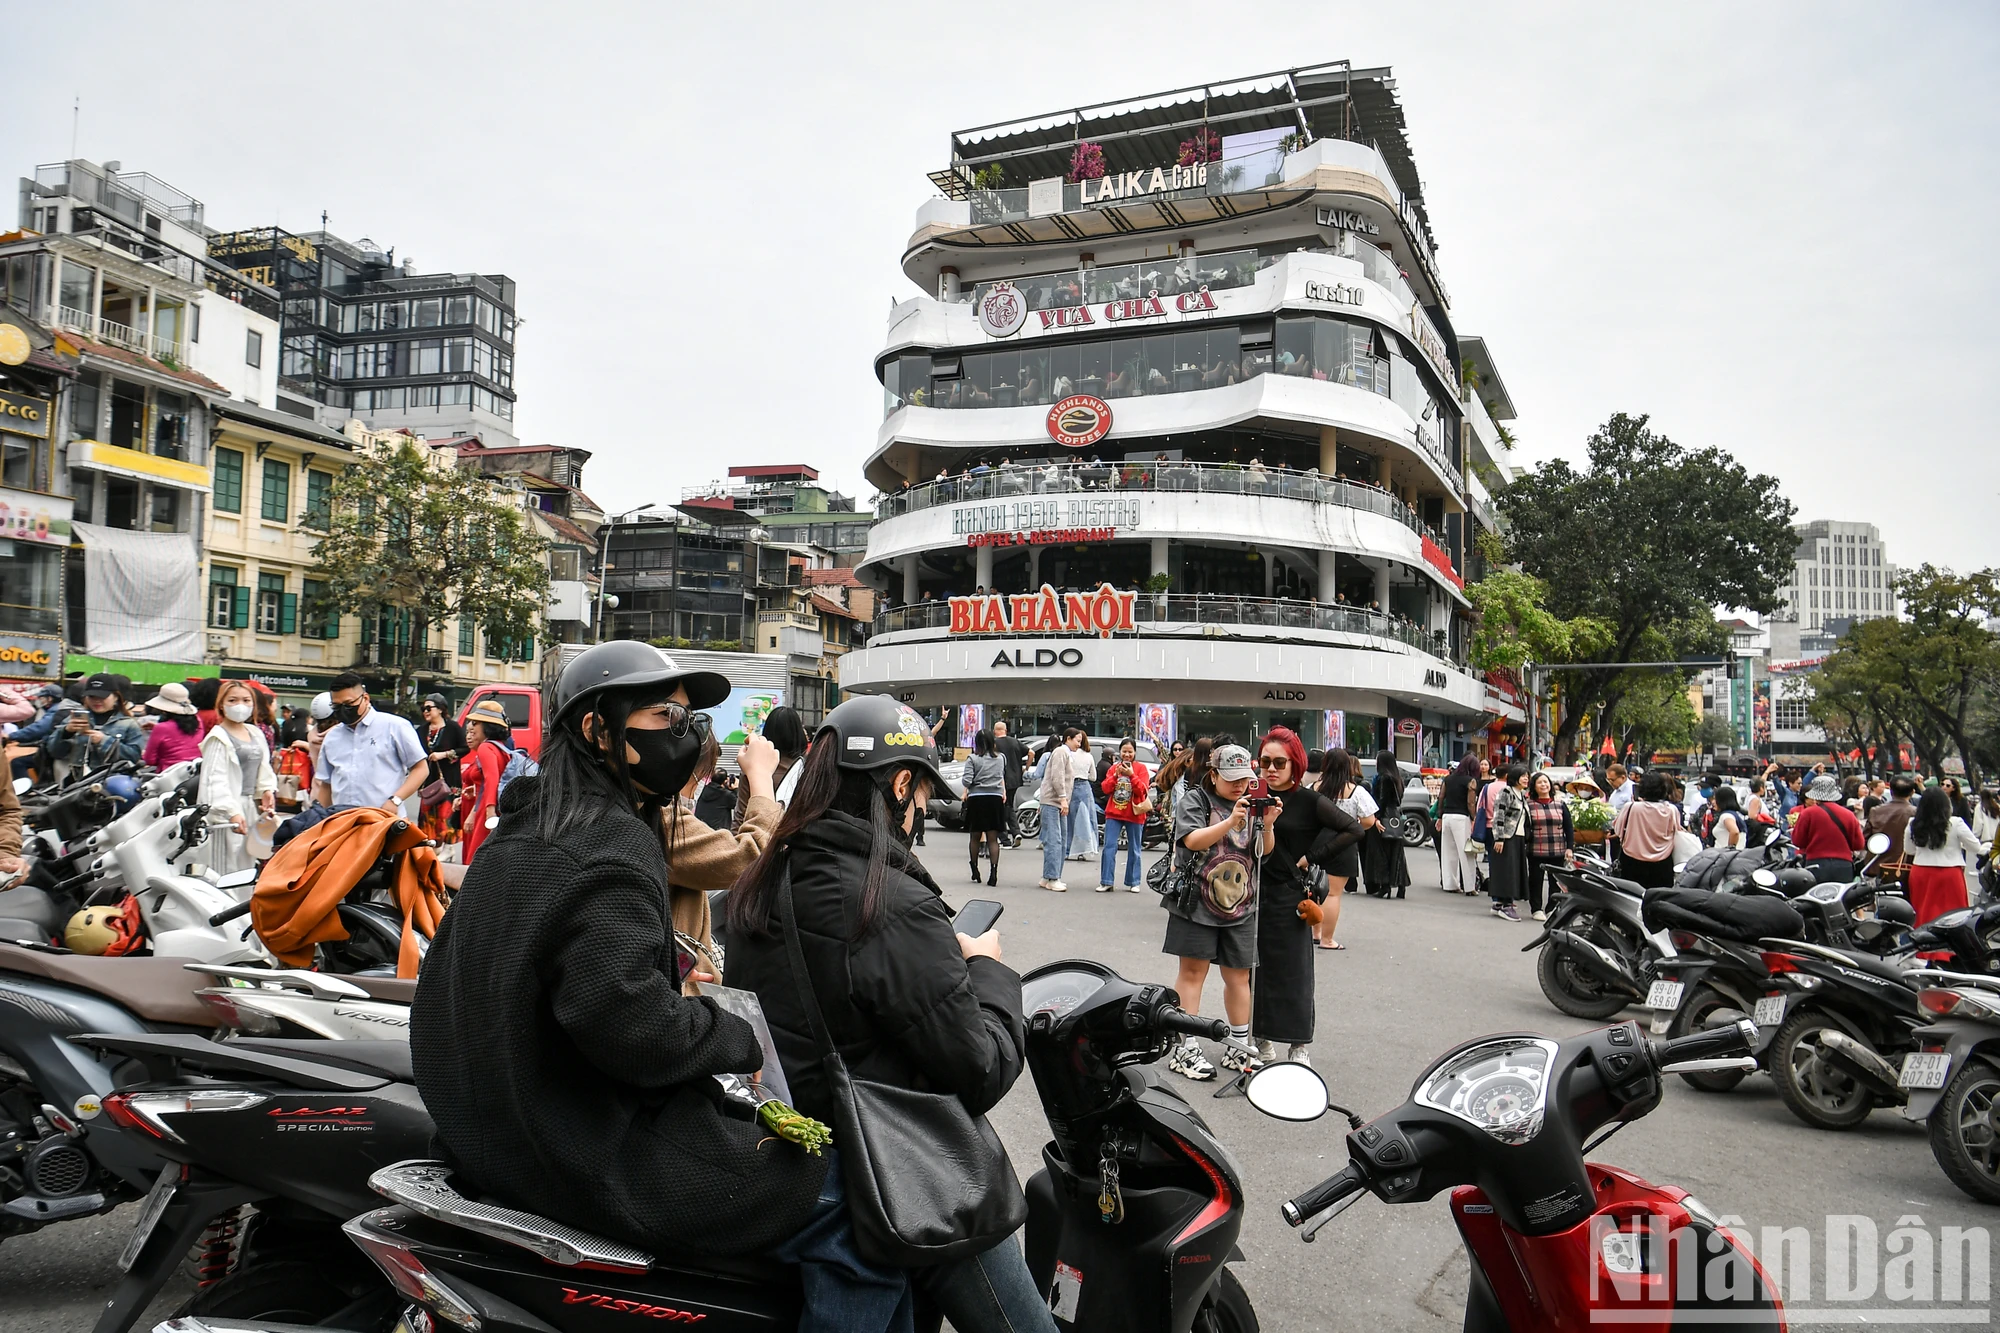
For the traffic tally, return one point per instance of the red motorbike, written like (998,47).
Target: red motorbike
(1556,1243)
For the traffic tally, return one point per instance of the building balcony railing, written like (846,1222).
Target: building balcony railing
(1153,277)
(1015,480)
(122,335)
(1183,614)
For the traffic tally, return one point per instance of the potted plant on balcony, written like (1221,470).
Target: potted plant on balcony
(1086,163)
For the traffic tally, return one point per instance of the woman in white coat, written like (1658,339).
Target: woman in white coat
(237,783)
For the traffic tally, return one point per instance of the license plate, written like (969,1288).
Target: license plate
(1665,995)
(1769,1011)
(150,1214)
(1925,1069)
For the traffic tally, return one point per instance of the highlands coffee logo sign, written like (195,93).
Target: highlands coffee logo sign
(1079,421)
(1105,612)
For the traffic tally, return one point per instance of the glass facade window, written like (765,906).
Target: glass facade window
(170,425)
(465,634)
(30,588)
(277,507)
(221,597)
(429,312)
(17,461)
(458,309)
(166,506)
(1178,359)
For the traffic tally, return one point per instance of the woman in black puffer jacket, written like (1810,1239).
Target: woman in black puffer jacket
(565,1070)
(907,1001)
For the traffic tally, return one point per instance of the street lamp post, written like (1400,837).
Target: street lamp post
(604,562)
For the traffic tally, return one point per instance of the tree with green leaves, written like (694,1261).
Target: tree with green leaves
(1714,732)
(1648,538)
(1927,678)
(1654,713)
(411,533)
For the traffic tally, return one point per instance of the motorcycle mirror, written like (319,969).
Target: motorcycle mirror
(1878,843)
(1764,877)
(22,786)
(1288,1091)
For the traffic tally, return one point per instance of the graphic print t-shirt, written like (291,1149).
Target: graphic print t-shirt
(1123,790)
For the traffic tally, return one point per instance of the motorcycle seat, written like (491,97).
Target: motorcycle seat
(158,990)
(388,1059)
(32,904)
(389,990)
(1622,885)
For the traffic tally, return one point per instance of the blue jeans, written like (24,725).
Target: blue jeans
(1055,840)
(989,1293)
(1124,831)
(1082,818)
(843,1291)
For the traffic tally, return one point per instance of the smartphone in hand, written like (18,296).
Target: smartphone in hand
(977,917)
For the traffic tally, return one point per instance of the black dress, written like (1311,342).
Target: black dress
(1384,869)
(1311,825)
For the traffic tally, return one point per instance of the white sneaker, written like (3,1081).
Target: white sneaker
(1541,916)
(1055,886)
(1238,1062)
(1136,888)
(1187,1060)
(1266,1051)
(1104,888)
(1299,1052)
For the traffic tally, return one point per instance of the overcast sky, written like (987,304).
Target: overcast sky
(1771,227)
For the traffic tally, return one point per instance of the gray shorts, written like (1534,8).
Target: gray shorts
(1225,946)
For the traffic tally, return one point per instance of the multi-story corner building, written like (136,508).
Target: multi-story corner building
(366,337)
(272,481)
(35,370)
(1841,575)
(1179,420)
(550,480)
(796,510)
(151,335)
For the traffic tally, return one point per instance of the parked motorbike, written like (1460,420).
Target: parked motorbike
(1952,1078)
(1597,955)
(1131,1222)
(1555,1242)
(264,1148)
(60,1156)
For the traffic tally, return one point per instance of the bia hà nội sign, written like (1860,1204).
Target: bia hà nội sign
(1105,612)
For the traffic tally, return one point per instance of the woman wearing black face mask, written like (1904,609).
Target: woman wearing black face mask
(905,999)
(566,1071)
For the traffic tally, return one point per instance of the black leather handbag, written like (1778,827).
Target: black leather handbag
(927,1181)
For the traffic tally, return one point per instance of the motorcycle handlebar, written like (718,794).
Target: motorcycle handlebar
(1176,1020)
(229,914)
(1715,1043)
(1328,1192)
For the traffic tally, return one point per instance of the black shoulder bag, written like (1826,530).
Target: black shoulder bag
(927,1181)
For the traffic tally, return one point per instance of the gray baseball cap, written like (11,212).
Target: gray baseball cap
(322,706)
(1231,763)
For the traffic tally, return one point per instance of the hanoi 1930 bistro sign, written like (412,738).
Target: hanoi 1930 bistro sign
(1025,522)
(1104,612)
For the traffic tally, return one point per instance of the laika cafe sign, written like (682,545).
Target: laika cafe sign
(1105,612)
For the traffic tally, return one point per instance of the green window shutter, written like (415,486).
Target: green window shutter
(277,491)
(465,644)
(332,627)
(319,499)
(288,613)
(229,480)
(241,618)
(528,649)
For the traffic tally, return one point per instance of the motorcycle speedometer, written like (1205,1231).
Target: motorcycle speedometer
(1501,1086)
(1057,993)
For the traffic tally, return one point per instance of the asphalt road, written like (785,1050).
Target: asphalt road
(1418,976)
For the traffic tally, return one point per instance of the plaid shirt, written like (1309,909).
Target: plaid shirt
(1545,829)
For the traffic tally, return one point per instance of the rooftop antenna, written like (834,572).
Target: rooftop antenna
(75,119)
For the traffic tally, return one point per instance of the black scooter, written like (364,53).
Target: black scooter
(1130,1222)
(1597,955)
